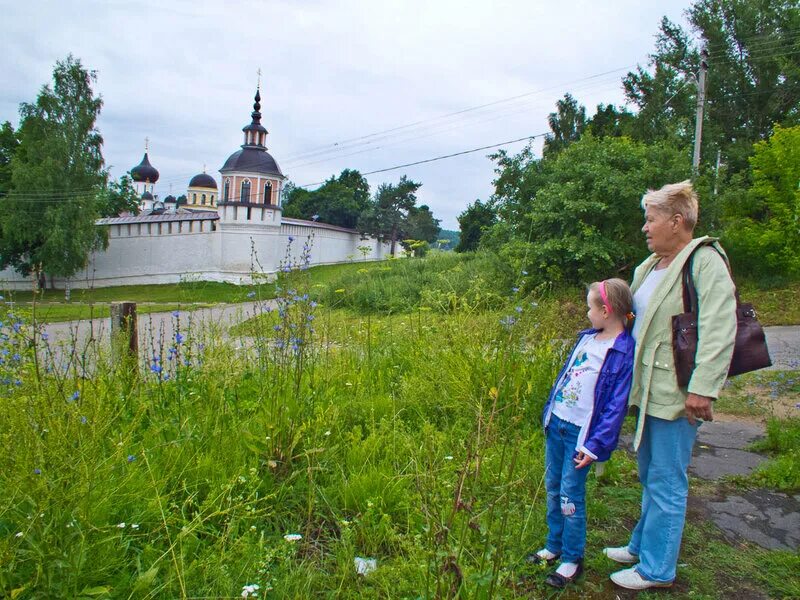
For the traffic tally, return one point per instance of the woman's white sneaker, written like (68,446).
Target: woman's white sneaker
(631,580)
(621,555)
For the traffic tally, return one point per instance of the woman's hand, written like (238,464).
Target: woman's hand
(698,407)
(582,460)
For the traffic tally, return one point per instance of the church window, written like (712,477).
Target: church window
(226,191)
(194,198)
(245,195)
(203,200)
(268,193)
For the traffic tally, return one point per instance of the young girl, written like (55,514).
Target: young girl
(582,419)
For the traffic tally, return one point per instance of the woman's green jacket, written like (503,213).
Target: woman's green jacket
(655,388)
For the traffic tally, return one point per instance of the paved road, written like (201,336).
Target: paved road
(784,346)
(155,329)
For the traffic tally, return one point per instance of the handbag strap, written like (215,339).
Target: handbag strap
(689,289)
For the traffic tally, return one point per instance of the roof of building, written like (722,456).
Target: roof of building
(317,224)
(203,180)
(150,218)
(144,171)
(169,198)
(147,196)
(251,159)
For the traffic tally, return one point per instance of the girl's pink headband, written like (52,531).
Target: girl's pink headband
(604,296)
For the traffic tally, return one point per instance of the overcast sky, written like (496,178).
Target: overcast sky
(183,73)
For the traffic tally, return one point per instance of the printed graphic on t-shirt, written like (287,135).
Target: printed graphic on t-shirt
(570,391)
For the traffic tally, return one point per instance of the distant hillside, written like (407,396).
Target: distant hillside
(451,238)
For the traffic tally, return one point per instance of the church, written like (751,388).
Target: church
(232,232)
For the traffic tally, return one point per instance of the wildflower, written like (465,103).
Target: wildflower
(291,238)
(448,457)
(327,433)
(313,304)
(310,318)
(45,336)
(134,526)
(251,294)
(518,309)
(131,458)
(293,537)
(155,368)
(515,289)
(250,590)
(84,420)
(18,534)
(276,327)
(507,321)
(176,313)
(16,357)
(74,396)
(524,272)
(179,338)
(37,471)
(534,304)
(339,291)
(121,525)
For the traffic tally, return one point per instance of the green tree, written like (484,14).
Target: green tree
(118,197)
(566,124)
(387,216)
(422,225)
(583,220)
(8,146)
(339,201)
(763,232)
(48,218)
(474,222)
(609,121)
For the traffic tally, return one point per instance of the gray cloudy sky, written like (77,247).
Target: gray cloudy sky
(183,73)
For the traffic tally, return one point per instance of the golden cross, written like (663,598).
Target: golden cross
(259,78)
(146,143)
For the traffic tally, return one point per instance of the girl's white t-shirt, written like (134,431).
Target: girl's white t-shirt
(642,298)
(574,397)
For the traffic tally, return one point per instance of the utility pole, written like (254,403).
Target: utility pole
(701,100)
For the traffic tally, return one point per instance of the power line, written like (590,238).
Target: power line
(428,160)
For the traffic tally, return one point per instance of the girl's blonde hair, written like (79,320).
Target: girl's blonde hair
(674,199)
(615,296)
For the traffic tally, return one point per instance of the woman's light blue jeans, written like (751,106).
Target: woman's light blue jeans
(566,492)
(664,455)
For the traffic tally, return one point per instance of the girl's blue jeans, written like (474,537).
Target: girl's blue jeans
(566,492)
(664,455)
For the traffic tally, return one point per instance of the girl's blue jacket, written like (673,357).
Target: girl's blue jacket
(601,434)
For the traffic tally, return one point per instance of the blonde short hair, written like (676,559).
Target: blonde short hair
(674,199)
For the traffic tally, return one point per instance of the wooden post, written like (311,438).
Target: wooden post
(124,329)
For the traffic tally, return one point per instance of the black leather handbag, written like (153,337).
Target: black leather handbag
(750,350)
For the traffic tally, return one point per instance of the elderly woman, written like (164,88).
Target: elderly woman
(669,415)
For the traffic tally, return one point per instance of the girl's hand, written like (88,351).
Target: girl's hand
(582,460)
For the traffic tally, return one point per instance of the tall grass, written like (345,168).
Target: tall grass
(276,457)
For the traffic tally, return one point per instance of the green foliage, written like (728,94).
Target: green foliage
(118,197)
(576,218)
(442,282)
(783,440)
(762,231)
(566,125)
(339,201)
(9,141)
(420,224)
(474,222)
(388,215)
(47,220)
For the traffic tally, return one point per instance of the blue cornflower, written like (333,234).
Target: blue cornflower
(310,317)
(507,321)
(17,327)
(155,368)
(84,420)
(179,338)
(518,309)
(251,294)
(45,336)
(176,313)
(524,272)
(276,327)
(313,304)
(131,458)
(515,289)
(75,396)
(291,238)
(16,357)
(37,471)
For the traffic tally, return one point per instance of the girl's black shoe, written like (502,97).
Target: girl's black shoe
(557,580)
